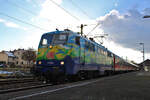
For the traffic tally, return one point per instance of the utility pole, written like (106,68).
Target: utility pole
(126,58)
(82,28)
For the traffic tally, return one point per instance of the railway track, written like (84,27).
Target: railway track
(39,84)
(14,81)
(23,88)
(17,84)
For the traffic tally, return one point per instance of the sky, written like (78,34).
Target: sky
(22,22)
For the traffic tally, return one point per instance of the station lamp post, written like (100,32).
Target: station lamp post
(143,53)
(146,16)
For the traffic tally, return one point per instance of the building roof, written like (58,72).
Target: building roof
(9,54)
(146,62)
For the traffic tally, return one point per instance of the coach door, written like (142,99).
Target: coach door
(114,62)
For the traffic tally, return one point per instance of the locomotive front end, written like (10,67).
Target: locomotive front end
(52,51)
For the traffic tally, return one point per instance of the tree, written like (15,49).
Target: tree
(29,56)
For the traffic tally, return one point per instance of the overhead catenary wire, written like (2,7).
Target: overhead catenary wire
(64,10)
(33,13)
(84,12)
(20,7)
(26,10)
(19,20)
(94,28)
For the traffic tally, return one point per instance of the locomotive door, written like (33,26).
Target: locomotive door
(81,50)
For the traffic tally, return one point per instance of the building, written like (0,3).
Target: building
(14,58)
(18,54)
(146,64)
(7,58)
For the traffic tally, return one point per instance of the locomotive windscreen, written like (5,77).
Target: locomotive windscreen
(46,39)
(54,39)
(59,39)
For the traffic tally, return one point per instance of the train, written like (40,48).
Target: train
(68,55)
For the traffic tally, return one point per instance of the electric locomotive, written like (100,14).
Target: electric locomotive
(68,54)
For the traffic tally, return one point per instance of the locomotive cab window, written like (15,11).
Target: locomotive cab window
(46,39)
(60,39)
(44,42)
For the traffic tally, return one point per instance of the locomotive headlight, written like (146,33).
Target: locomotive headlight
(50,46)
(62,62)
(40,62)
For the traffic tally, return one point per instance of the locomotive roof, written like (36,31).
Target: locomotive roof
(75,33)
(59,32)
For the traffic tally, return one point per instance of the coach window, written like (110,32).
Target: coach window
(99,50)
(96,49)
(102,52)
(90,46)
(77,40)
(105,53)
(109,54)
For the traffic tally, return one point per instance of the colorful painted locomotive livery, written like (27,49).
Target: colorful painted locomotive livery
(66,53)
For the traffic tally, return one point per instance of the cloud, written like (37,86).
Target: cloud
(127,29)
(11,24)
(1,20)
(115,24)
(55,14)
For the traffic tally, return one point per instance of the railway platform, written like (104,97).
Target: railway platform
(128,86)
